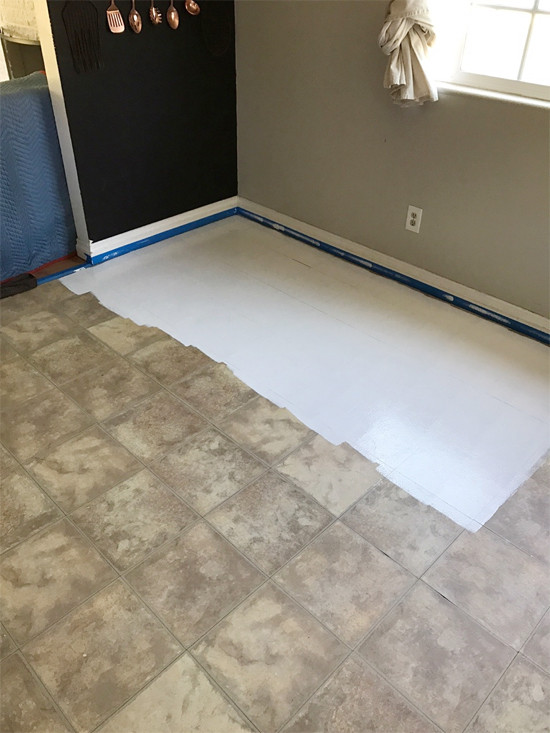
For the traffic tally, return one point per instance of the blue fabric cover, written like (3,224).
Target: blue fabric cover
(36,222)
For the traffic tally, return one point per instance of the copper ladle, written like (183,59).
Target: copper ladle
(172,16)
(192,7)
(135,18)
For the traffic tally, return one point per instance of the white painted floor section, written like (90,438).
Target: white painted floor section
(455,410)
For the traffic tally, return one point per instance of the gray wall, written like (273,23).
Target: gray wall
(320,140)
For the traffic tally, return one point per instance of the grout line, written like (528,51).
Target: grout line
(228,499)
(513,544)
(222,691)
(303,705)
(489,694)
(57,707)
(267,578)
(150,682)
(398,601)
(443,552)
(532,634)
(152,611)
(138,692)
(464,612)
(397,690)
(62,618)
(537,665)
(104,720)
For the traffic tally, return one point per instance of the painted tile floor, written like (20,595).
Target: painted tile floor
(180,554)
(451,408)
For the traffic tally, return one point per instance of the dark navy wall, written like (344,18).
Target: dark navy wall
(154,130)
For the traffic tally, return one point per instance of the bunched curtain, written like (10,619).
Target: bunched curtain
(406,37)
(18,20)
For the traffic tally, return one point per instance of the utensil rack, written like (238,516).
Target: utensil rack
(116,19)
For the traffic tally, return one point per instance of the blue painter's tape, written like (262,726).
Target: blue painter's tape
(410,282)
(162,235)
(62,273)
(342,254)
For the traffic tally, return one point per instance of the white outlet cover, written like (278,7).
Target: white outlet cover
(414,217)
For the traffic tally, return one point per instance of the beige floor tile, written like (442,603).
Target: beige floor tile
(335,475)
(356,700)
(214,392)
(443,661)
(50,293)
(182,699)
(85,310)
(33,330)
(207,469)
(46,576)
(82,468)
(168,361)
(7,644)
(129,521)
(194,581)
(123,335)
(538,646)
(25,705)
(155,427)
(7,352)
(408,531)
(525,518)
(269,655)
(345,582)
(69,357)
(24,509)
(109,390)
(8,464)
(500,586)
(40,298)
(542,473)
(16,307)
(19,381)
(39,423)
(270,521)
(520,702)
(101,654)
(265,429)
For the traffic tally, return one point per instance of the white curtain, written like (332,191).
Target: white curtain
(406,36)
(18,20)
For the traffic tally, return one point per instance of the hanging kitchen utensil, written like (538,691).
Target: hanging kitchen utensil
(114,19)
(172,16)
(155,14)
(192,7)
(82,28)
(135,19)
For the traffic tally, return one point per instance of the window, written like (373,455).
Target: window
(500,46)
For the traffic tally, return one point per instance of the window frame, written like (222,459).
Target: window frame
(455,77)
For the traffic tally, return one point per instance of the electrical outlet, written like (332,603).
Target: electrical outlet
(414,217)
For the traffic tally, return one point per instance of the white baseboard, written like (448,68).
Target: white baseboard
(141,236)
(480,300)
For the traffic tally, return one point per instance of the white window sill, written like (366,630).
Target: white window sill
(501,96)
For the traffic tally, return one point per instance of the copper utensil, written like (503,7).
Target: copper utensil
(192,7)
(135,19)
(155,14)
(172,16)
(114,19)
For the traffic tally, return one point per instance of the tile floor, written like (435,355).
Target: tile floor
(179,554)
(450,408)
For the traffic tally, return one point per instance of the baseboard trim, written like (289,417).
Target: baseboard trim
(106,249)
(485,306)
